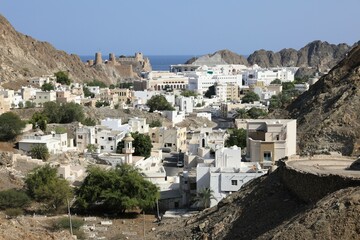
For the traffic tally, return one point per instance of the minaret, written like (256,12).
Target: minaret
(128,150)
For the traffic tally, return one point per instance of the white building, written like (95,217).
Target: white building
(227,174)
(84,136)
(56,143)
(269,140)
(185,104)
(267,75)
(205,77)
(107,139)
(138,125)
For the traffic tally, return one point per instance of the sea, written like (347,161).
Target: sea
(158,62)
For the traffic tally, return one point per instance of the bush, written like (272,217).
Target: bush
(14,212)
(62,78)
(13,198)
(10,126)
(64,223)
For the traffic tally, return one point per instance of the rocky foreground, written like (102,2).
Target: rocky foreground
(266,209)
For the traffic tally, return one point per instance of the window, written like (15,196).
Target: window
(80,137)
(267,156)
(102,147)
(234,182)
(112,148)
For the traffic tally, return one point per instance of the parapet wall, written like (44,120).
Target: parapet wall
(311,186)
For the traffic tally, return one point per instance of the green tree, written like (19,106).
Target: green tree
(141,143)
(91,148)
(87,92)
(13,198)
(89,121)
(10,126)
(255,113)
(52,112)
(188,93)
(44,186)
(62,78)
(115,190)
(97,83)
(29,104)
(100,104)
(21,104)
(210,92)
(204,197)
(71,112)
(60,130)
(159,102)
(237,137)
(276,81)
(288,86)
(155,123)
(241,113)
(47,87)
(39,120)
(40,151)
(250,97)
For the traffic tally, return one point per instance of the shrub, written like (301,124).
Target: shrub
(14,212)
(64,223)
(13,198)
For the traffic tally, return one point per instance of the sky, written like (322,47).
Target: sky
(183,27)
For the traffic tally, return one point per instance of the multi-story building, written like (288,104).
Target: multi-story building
(226,174)
(84,136)
(124,94)
(268,75)
(173,138)
(202,79)
(158,80)
(138,125)
(269,140)
(185,104)
(42,97)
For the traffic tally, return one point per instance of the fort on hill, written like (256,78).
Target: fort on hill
(127,66)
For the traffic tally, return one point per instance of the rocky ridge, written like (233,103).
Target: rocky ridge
(317,55)
(23,57)
(327,114)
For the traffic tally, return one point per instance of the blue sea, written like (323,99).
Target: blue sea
(158,62)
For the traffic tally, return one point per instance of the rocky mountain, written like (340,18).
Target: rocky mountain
(219,57)
(265,208)
(23,57)
(327,114)
(316,55)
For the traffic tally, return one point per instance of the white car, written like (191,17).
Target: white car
(180,164)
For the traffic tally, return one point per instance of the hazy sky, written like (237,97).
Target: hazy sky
(183,27)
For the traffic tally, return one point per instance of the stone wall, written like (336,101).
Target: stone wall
(311,187)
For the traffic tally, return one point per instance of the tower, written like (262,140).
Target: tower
(128,150)
(98,58)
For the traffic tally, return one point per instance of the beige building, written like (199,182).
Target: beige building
(43,97)
(4,104)
(269,140)
(162,80)
(124,94)
(173,138)
(64,96)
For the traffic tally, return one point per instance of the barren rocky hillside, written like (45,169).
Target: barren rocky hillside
(316,54)
(23,57)
(327,114)
(266,208)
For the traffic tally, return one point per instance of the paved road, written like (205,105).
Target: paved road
(170,161)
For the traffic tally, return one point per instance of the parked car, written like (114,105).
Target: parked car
(180,164)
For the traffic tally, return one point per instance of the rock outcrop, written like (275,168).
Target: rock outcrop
(327,114)
(219,57)
(315,56)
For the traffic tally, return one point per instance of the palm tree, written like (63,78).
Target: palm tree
(204,197)
(241,113)
(40,151)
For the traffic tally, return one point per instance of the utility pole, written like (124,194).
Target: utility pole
(68,205)
(144,223)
